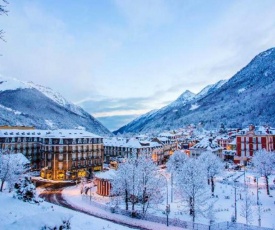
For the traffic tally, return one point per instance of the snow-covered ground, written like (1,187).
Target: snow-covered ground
(72,195)
(18,215)
(223,208)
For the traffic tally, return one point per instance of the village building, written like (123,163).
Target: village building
(250,140)
(206,145)
(103,182)
(57,154)
(124,148)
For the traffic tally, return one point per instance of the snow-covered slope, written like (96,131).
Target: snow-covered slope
(248,97)
(26,103)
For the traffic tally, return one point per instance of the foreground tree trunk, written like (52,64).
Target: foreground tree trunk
(212,186)
(2,185)
(126,199)
(267,185)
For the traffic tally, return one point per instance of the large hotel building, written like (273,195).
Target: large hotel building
(57,154)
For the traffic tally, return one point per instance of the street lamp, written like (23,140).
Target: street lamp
(258,203)
(235,203)
(167,209)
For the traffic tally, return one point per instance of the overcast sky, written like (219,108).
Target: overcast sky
(121,58)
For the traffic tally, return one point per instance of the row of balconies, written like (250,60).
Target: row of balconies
(71,151)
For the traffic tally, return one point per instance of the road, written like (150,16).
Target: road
(53,194)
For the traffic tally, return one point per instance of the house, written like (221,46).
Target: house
(205,145)
(251,139)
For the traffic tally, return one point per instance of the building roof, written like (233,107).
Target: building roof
(205,144)
(107,175)
(59,133)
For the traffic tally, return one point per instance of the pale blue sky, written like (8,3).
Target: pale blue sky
(119,59)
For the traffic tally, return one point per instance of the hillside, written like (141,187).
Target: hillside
(248,97)
(29,104)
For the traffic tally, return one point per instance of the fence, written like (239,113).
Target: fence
(177,222)
(236,226)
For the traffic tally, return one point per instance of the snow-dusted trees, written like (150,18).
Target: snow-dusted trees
(247,207)
(150,184)
(137,181)
(213,167)
(11,168)
(121,183)
(264,164)
(25,190)
(176,162)
(192,185)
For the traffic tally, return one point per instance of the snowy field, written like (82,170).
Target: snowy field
(18,215)
(223,207)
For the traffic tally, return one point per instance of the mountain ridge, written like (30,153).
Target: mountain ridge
(245,96)
(29,104)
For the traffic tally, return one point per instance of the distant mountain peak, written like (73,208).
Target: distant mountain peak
(27,103)
(247,97)
(187,95)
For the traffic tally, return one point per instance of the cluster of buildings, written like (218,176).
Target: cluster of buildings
(72,154)
(57,154)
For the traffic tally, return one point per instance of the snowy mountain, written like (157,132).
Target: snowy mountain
(248,97)
(25,103)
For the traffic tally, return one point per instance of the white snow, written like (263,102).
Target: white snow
(194,106)
(7,83)
(10,110)
(223,207)
(50,123)
(16,214)
(241,90)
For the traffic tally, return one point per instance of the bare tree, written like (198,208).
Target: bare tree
(264,164)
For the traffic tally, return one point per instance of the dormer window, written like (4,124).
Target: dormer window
(61,141)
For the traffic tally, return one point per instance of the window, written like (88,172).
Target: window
(60,157)
(61,141)
(60,165)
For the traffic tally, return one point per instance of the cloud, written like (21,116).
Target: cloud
(115,122)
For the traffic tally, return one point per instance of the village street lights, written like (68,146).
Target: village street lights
(167,209)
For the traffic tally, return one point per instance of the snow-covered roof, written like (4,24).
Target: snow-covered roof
(22,133)
(59,133)
(259,130)
(70,133)
(224,137)
(108,175)
(115,142)
(163,139)
(166,134)
(206,145)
